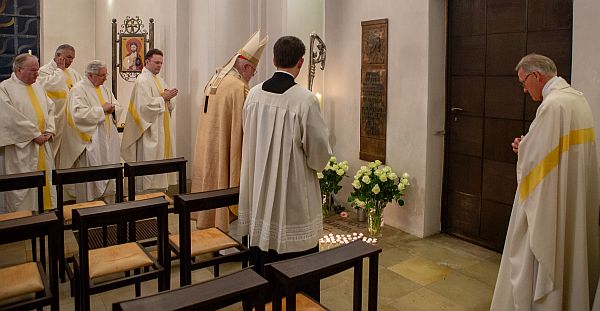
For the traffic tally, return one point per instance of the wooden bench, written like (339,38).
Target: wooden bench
(290,274)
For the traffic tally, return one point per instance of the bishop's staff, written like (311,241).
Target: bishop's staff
(316,57)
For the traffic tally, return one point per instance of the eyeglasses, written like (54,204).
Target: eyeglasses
(525,80)
(101,76)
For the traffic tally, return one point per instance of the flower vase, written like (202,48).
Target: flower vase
(361,215)
(375,222)
(327,205)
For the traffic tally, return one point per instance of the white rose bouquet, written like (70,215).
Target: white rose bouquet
(375,186)
(329,180)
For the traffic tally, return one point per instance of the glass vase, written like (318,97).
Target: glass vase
(375,222)
(326,205)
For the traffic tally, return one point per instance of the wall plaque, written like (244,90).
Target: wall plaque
(373,90)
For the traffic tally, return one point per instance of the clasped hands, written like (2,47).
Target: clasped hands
(168,94)
(108,107)
(42,139)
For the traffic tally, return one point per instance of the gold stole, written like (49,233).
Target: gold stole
(106,115)
(41,166)
(166,120)
(69,78)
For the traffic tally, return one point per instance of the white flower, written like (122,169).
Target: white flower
(383,177)
(377,162)
(320,175)
(345,162)
(344,166)
(334,167)
(392,176)
(376,189)
(356,184)
(340,172)
(364,168)
(372,165)
(366,180)
(401,187)
(378,172)
(333,159)
(387,169)
(405,182)
(327,167)
(405,176)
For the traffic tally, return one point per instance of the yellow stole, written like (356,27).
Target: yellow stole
(106,115)
(41,166)
(166,120)
(61,94)
(69,79)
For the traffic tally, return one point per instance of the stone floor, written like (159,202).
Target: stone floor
(436,273)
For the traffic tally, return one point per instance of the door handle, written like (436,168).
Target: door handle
(457,109)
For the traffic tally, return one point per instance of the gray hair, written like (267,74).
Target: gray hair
(21,59)
(94,67)
(536,62)
(61,48)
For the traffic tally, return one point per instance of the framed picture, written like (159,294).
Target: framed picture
(132,50)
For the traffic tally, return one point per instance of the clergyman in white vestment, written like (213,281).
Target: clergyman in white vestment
(27,125)
(91,137)
(58,77)
(551,257)
(148,132)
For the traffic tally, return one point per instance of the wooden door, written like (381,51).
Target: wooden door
(486,106)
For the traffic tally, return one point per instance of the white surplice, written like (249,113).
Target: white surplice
(148,134)
(25,113)
(57,83)
(90,136)
(285,144)
(551,257)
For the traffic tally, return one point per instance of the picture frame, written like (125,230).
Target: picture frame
(131,53)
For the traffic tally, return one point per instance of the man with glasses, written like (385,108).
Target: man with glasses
(552,251)
(58,77)
(218,153)
(27,125)
(90,134)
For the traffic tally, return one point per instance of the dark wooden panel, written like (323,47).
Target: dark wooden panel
(464,218)
(494,223)
(499,181)
(554,44)
(505,16)
(530,108)
(498,135)
(468,55)
(465,134)
(465,174)
(503,53)
(504,98)
(468,17)
(549,14)
(467,93)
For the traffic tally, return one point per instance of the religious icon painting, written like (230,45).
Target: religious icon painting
(132,53)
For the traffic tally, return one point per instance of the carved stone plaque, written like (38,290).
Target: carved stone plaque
(373,90)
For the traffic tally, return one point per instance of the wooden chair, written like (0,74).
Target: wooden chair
(26,181)
(126,256)
(62,177)
(31,278)
(144,168)
(189,244)
(245,285)
(286,276)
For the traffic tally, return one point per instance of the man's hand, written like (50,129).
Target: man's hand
(169,93)
(42,139)
(515,144)
(108,107)
(60,62)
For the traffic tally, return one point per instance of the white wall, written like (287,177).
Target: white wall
(586,63)
(60,24)
(415,98)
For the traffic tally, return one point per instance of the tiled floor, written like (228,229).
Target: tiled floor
(436,273)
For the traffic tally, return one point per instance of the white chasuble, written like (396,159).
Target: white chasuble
(148,134)
(91,137)
(285,144)
(551,255)
(26,113)
(57,83)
